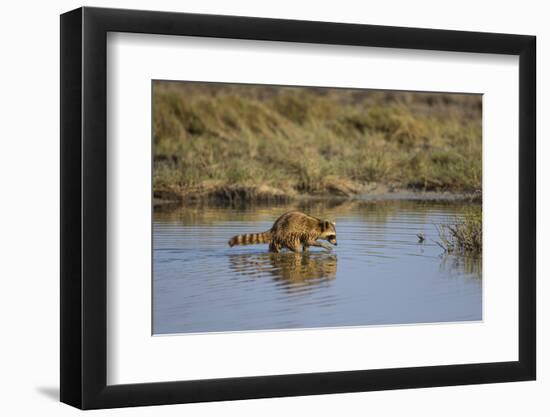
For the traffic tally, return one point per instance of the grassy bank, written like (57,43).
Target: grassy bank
(464,234)
(232,142)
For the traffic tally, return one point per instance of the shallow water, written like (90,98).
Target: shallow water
(378,274)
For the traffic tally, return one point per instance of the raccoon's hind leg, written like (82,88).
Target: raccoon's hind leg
(273,247)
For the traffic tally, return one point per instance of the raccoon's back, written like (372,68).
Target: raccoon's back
(294,222)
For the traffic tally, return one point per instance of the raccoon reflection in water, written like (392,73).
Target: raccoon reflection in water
(295,270)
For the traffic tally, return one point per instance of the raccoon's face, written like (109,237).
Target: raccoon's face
(328,232)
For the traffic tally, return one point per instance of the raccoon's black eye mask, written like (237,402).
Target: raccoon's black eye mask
(326,224)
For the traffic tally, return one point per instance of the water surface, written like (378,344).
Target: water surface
(378,274)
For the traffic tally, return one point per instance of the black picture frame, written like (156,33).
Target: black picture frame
(84,207)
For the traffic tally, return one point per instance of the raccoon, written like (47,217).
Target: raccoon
(295,231)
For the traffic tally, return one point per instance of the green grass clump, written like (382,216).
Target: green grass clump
(464,234)
(212,137)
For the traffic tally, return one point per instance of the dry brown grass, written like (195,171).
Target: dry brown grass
(464,234)
(232,140)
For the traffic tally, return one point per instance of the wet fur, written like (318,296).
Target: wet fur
(295,231)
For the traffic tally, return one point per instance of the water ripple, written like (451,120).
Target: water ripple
(378,274)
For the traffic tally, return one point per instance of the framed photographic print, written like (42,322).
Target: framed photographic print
(258,207)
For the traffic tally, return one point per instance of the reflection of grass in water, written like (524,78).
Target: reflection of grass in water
(251,143)
(373,211)
(293,268)
(469,264)
(464,233)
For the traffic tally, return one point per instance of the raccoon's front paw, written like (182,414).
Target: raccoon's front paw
(327,247)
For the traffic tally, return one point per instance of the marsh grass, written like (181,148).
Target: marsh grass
(463,234)
(262,143)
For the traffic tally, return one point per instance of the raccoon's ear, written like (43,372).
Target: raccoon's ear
(333,223)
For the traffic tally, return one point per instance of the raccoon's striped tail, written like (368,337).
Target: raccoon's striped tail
(250,239)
